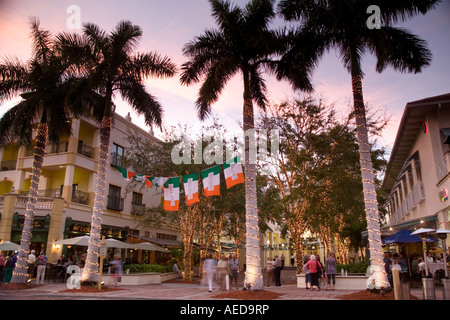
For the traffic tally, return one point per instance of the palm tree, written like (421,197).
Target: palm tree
(44,84)
(341,25)
(243,43)
(111,64)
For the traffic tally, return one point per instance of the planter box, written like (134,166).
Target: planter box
(139,279)
(350,282)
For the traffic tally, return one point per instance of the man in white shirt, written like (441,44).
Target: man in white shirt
(31,263)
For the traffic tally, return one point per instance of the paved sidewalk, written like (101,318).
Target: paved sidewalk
(171,291)
(165,291)
(177,290)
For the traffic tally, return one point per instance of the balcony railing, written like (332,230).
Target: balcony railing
(80,197)
(8,165)
(138,209)
(85,150)
(442,169)
(62,146)
(410,203)
(115,203)
(117,160)
(48,193)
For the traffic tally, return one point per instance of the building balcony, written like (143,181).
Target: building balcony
(42,203)
(443,167)
(85,150)
(138,209)
(47,193)
(8,165)
(80,197)
(115,203)
(412,200)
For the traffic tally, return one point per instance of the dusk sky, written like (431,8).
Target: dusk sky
(168,25)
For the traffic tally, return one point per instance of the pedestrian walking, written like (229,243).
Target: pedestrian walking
(31,263)
(388,266)
(292,260)
(269,272)
(306,271)
(2,267)
(224,271)
(209,267)
(235,266)
(117,269)
(277,271)
(314,267)
(321,273)
(14,261)
(41,266)
(331,270)
(8,269)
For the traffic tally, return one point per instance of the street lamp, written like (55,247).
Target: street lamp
(423,233)
(442,234)
(428,284)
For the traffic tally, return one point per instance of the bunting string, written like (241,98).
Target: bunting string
(232,171)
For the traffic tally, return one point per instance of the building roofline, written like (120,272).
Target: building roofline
(406,134)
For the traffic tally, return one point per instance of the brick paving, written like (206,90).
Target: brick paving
(177,290)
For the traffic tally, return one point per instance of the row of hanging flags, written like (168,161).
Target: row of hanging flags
(232,170)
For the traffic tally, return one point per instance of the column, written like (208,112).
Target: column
(68,182)
(54,230)
(9,204)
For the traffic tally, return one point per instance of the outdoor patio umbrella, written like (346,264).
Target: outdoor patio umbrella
(84,241)
(403,236)
(406,236)
(113,243)
(77,241)
(147,246)
(8,246)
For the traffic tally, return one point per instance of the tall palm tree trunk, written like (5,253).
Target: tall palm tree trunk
(20,273)
(90,271)
(370,196)
(253,275)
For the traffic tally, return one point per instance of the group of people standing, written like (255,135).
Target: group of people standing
(8,264)
(315,271)
(225,270)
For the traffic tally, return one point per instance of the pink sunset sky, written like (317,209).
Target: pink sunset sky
(168,25)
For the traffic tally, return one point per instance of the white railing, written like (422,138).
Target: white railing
(413,198)
(419,193)
(41,203)
(442,169)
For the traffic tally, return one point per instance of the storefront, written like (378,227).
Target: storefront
(39,233)
(79,228)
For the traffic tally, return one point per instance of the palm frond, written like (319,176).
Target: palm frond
(152,64)
(399,49)
(227,16)
(42,40)
(393,12)
(13,78)
(143,102)
(125,38)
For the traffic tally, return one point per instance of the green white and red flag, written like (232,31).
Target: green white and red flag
(172,194)
(211,181)
(232,170)
(158,181)
(190,182)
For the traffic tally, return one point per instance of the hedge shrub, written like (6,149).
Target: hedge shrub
(143,268)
